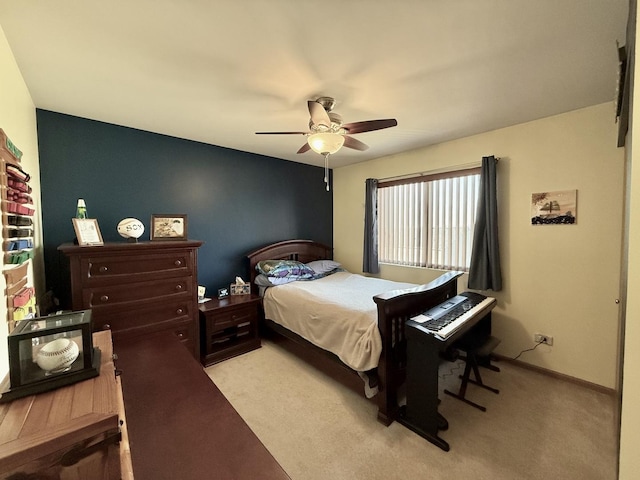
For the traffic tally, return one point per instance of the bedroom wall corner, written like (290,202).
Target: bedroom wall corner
(18,120)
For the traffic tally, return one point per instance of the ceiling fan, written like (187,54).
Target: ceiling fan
(323,120)
(327,134)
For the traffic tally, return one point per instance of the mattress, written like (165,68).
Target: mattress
(336,313)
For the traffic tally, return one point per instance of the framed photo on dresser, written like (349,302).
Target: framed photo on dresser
(87,231)
(168,227)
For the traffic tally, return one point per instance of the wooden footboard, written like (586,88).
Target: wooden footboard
(394,308)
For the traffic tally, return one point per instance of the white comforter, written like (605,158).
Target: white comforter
(336,313)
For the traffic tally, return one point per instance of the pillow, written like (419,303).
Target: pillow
(284,268)
(323,266)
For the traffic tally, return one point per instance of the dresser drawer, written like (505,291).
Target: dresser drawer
(232,316)
(134,292)
(130,268)
(185,331)
(120,318)
(176,317)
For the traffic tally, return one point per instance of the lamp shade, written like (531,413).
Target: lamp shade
(325,142)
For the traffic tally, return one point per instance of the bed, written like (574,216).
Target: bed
(388,309)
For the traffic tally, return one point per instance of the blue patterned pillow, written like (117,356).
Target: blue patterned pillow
(284,268)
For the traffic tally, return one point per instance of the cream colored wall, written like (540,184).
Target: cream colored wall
(18,120)
(558,280)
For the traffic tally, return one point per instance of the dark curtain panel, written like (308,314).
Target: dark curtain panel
(484,271)
(370,257)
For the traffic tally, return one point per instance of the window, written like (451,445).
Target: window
(428,221)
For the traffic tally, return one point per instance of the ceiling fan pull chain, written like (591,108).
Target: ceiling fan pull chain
(326,170)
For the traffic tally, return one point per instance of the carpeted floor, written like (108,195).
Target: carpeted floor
(313,417)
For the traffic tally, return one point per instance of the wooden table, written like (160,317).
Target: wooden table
(179,423)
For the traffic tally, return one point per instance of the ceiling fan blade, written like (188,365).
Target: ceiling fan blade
(369,125)
(282,133)
(351,142)
(319,115)
(304,148)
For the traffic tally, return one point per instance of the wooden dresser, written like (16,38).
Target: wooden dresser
(135,289)
(72,432)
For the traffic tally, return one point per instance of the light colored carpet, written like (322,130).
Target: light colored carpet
(314,419)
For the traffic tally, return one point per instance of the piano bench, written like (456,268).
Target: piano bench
(477,354)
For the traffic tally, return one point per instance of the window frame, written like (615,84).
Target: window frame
(425,244)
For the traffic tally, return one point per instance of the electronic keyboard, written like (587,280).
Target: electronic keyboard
(445,319)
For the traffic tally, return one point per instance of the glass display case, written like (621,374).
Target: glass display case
(49,352)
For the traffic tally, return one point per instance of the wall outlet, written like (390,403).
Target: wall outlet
(541,338)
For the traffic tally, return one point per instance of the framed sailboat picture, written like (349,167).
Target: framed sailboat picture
(554,208)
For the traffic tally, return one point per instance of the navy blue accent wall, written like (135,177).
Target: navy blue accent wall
(235,201)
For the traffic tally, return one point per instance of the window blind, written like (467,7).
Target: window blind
(428,223)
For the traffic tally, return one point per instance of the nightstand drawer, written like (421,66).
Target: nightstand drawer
(227,317)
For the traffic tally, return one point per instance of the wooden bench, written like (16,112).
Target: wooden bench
(179,423)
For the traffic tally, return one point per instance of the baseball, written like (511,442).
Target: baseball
(58,355)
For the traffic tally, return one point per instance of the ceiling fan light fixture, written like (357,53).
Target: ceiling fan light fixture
(325,142)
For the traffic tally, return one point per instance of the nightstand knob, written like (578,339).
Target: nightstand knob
(103,269)
(104,298)
(180,334)
(179,287)
(106,326)
(178,263)
(179,311)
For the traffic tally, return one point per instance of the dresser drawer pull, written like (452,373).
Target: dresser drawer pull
(103,269)
(104,298)
(180,311)
(178,263)
(179,287)
(106,326)
(180,334)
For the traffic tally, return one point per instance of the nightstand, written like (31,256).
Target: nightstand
(228,327)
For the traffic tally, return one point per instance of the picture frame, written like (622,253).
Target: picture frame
(87,231)
(554,208)
(168,227)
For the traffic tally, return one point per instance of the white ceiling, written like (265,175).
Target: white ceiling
(216,71)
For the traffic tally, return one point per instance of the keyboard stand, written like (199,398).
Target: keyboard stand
(424,350)
(427,435)
(420,414)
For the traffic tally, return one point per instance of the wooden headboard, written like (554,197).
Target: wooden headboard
(301,250)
